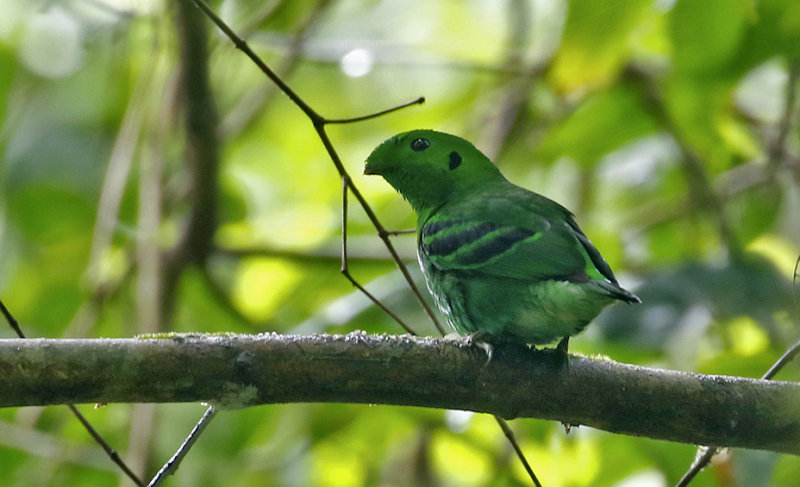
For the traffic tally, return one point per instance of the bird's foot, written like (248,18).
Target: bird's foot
(478,339)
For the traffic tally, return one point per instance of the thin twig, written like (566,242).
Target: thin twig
(173,463)
(787,357)
(698,464)
(796,273)
(111,452)
(12,322)
(240,44)
(362,118)
(252,104)
(408,231)
(513,440)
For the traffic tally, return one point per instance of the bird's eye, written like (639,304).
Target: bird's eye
(455,160)
(419,145)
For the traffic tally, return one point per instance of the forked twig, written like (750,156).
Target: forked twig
(345,270)
(110,451)
(319,122)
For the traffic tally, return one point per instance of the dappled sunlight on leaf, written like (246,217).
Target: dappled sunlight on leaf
(565,460)
(595,43)
(777,250)
(747,337)
(458,462)
(261,285)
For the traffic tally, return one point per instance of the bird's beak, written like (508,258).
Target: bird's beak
(377,161)
(370,167)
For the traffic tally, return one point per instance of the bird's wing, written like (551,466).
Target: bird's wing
(528,237)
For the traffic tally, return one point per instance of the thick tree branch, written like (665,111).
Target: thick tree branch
(245,370)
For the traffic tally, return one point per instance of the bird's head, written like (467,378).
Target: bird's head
(429,168)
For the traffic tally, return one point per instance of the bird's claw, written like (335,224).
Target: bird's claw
(478,339)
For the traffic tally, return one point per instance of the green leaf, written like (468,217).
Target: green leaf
(754,211)
(697,107)
(777,31)
(602,124)
(595,42)
(706,34)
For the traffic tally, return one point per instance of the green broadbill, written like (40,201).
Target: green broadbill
(500,261)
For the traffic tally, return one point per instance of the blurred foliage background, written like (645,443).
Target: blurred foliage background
(668,126)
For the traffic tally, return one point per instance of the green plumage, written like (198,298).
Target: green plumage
(500,261)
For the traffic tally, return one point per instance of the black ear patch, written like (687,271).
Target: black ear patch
(420,144)
(455,160)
